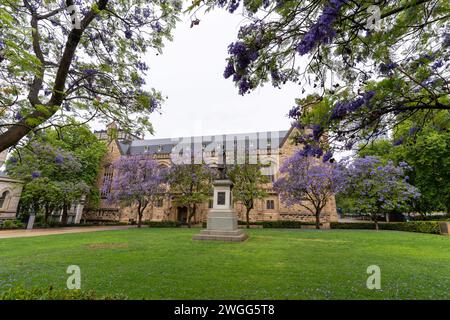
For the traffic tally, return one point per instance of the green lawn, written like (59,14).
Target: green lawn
(273,264)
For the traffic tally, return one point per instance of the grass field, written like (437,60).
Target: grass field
(272,264)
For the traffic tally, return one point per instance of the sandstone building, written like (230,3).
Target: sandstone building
(267,147)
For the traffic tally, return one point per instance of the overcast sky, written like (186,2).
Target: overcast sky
(200,101)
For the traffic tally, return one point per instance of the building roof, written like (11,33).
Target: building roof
(152,146)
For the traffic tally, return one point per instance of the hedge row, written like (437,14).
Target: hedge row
(163,224)
(283,224)
(286,224)
(432,217)
(20,293)
(412,226)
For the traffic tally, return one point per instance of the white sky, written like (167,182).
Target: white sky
(200,101)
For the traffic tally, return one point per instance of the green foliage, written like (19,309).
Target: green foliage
(286,224)
(103,57)
(21,293)
(413,226)
(426,148)
(163,224)
(191,185)
(12,224)
(248,184)
(58,167)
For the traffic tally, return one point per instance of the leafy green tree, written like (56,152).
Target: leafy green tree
(426,149)
(57,168)
(248,185)
(191,184)
(60,59)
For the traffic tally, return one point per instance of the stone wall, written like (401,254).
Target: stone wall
(12,189)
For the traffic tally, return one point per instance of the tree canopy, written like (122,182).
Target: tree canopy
(57,167)
(370,64)
(309,183)
(60,59)
(138,182)
(248,185)
(378,189)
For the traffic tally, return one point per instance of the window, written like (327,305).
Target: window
(221,198)
(3,198)
(159,203)
(107,177)
(270,204)
(210,204)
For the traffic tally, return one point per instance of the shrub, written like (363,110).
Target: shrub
(414,226)
(164,224)
(286,224)
(432,217)
(20,293)
(11,224)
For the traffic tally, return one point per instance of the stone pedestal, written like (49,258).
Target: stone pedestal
(222,224)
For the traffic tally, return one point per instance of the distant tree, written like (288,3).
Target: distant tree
(377,188)
(191,184)
(60,59)
(309,182)
(137,181)
(426,149)
(58,166)
(248,185)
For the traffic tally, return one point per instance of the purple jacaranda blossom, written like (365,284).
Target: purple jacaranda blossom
(35,174)
(137,180)
(322,31)
(378,188)
(306,177)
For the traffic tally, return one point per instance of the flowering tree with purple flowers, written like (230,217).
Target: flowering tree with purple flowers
(138,182)
(366,73)
(60,59)
(58,166)
(310,183)
(378,189)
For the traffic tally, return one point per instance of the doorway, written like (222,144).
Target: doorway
(182,215)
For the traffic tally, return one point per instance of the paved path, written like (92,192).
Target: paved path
(44,232)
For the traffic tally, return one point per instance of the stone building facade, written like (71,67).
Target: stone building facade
(10,191)
(267,147)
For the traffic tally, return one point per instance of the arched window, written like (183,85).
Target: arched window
(3,199)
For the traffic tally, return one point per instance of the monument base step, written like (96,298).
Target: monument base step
(220,235)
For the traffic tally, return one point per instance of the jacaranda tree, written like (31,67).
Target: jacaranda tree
(371,64)
(309,183)
(379,189)
(138,182)
(427,151)
(53,177)
(81,58)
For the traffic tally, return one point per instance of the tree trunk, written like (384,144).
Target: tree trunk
(64,215)
(139,215)
(47,213)
(247,216)
(317,219)
(375,220)
(191,213)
